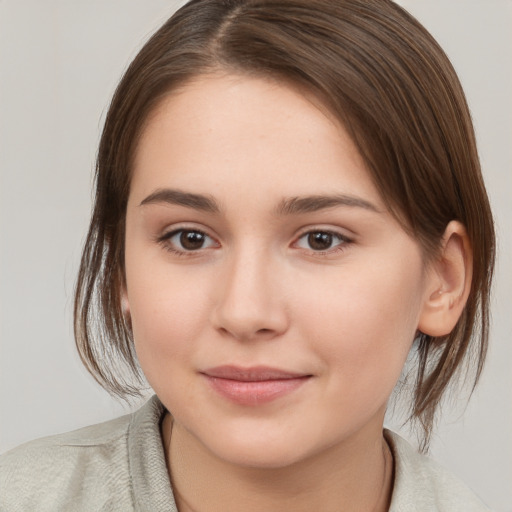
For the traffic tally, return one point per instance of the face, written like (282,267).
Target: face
(273,298)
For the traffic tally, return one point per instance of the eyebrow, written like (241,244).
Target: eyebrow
(288,206)
(172,196)
(308,204)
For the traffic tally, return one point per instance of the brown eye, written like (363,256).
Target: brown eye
(187,240)
(321,241)
(192,240)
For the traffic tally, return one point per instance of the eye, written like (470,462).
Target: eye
(321,241)
(187,240)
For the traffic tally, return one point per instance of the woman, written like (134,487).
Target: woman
(288,202)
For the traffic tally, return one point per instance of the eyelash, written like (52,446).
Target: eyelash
(341,246)
(165,241)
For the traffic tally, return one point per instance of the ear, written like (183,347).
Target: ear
(448,282)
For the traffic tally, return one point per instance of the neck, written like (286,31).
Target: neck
(357,476)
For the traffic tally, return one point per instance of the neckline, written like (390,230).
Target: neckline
(150,480)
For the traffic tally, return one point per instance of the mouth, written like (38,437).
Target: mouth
(255,385)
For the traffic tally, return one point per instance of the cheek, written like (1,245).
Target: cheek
(363,323)
(168,315)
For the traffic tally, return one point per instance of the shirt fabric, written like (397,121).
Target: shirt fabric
(119,466)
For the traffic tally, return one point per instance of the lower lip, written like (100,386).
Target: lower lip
(255,392)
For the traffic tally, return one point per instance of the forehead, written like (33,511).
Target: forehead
(224,131)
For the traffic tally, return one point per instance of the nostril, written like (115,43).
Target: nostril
(249,319)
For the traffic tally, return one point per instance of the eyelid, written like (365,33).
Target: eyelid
(337,231)
(172,229)
(168,234)
(345,240)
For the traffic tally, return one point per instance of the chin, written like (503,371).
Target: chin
(260,457)
(260,449)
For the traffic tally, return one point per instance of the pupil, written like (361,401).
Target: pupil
(191,240)
(319,241)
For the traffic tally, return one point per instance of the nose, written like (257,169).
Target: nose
(251,303)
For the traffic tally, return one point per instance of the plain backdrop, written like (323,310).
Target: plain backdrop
(59,63)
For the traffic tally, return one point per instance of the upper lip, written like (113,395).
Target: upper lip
(251,374)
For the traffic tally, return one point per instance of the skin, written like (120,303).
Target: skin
(256,292)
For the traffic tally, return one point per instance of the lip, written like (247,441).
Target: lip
(255,385)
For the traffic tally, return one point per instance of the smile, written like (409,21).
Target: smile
(253,386)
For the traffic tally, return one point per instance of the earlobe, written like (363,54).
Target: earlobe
(448,283)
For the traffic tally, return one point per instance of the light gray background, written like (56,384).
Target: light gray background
(59,64)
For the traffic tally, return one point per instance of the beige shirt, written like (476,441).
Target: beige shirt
(120,466)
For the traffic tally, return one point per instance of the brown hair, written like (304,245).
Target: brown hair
(390,84)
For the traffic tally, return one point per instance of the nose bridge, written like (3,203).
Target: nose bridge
(250,304)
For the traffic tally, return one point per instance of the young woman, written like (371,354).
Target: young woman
(288,205)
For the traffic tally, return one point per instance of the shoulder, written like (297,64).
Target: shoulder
(421,484)
(52,473)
